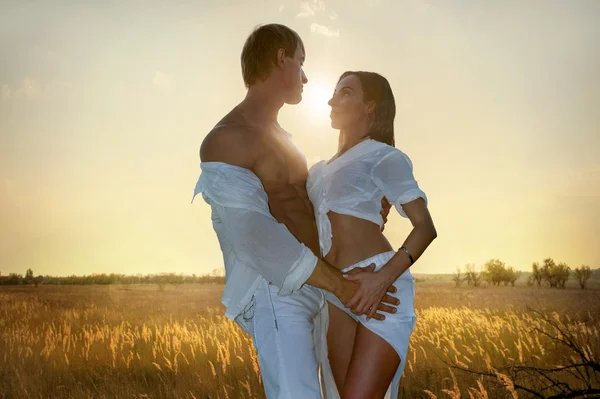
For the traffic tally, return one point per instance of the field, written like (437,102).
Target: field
(142,342)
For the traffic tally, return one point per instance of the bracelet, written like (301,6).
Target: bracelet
(408,253)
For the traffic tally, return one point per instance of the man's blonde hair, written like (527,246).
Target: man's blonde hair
(260,50)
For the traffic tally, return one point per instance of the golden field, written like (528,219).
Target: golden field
(141,342)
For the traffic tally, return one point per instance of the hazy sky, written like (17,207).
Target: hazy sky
(103,107)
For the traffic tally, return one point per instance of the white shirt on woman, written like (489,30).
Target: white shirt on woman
(354,184)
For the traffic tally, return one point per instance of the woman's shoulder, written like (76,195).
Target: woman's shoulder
(379,148)
(391,157)
(316,167)
(380,151)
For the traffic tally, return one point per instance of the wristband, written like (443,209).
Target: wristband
(408,253)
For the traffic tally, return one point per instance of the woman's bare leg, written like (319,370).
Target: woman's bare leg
(372,367)
(340,341)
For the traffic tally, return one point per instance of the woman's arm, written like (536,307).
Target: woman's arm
(393,175)
(374,286)
(422,234)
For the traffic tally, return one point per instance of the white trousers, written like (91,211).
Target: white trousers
(283,332)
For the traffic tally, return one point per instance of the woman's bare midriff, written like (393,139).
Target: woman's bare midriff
(353,240)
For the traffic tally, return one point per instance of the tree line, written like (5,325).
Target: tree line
(215,277)
(548,273)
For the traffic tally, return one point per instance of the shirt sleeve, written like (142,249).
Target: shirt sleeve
(268,247)
(393,175)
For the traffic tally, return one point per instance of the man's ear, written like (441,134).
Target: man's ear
(280,57)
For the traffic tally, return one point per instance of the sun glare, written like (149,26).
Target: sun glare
(317,95)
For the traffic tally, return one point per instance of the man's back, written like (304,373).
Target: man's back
(268,151)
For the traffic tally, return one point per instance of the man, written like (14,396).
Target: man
(254,178)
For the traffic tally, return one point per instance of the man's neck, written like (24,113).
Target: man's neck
(263,102)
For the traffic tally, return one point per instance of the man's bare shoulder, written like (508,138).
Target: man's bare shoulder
(230,142)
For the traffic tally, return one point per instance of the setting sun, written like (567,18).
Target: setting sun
(317,95)
(117,132)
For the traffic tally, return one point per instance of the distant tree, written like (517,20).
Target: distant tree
(458,279)
(505,276)
(582,274)
(511,276)
(469,268)
(516,275)
(477,278)
(218,272)
(472,276)
(29,276)
(555,275)
(14,279)
(536,274)
(548,272)
(38,280)
(494,271)
(563,273)
(530,281)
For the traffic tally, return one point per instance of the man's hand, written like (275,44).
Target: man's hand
(385,211)
(387,303)
(373,287)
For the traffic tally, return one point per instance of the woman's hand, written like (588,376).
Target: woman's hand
(373,287)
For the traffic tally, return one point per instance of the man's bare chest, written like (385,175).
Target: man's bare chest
(281,163)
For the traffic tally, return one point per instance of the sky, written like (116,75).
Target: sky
(103,106)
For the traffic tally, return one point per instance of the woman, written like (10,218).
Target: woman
(367,356)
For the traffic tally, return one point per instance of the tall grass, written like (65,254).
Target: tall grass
(79,342)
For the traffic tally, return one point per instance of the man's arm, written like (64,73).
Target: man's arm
(267,246)
(261,242)
(257,239)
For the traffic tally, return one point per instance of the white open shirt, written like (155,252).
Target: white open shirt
(256,247)
(354,184)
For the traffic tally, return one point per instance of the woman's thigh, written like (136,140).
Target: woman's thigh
(372,366)
(340,341)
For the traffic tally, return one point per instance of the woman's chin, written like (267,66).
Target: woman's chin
(335,124)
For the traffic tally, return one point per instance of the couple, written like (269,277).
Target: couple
(308,271)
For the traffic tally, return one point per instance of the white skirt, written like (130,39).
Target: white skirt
(397,327)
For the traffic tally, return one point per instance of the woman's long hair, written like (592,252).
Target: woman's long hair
(376,88)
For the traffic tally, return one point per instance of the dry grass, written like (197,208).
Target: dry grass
(139,342)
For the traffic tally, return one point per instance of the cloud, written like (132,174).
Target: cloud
(5,93)
(32,89)
(324,30)
(162,81)
(316,9)
(28,89)
(310,8)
